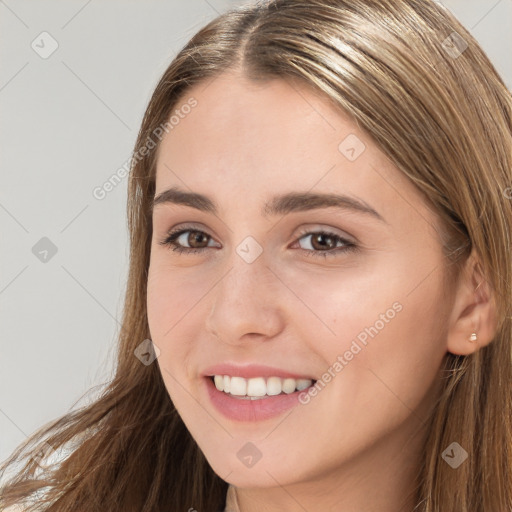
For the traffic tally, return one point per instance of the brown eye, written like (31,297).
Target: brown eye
(187,240)
(195,238)
(324,243)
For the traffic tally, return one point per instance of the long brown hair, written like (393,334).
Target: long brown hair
(436,106)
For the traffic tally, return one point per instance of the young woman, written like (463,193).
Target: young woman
(318,311)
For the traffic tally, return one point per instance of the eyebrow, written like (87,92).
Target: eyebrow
(278,205)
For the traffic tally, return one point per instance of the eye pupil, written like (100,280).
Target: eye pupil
(195,236)
(323,237)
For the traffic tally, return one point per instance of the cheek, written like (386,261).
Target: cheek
(172,303)
(173,296)
(392,345)
(335,306)
(385,323)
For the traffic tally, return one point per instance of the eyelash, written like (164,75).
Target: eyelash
(170,242)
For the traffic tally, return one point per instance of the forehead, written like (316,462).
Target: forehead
(236,118)
(244,139)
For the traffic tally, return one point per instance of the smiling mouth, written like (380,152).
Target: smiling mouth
(258,388)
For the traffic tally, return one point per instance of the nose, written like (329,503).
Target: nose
(246,303)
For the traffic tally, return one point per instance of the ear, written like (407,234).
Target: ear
(474,310)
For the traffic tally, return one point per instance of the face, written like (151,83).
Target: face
(329,312)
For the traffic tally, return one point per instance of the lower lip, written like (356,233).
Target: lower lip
(250,410)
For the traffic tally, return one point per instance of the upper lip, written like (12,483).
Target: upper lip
(252,370)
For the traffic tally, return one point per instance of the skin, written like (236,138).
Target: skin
(356,446)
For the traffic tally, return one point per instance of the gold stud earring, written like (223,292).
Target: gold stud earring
(473,337)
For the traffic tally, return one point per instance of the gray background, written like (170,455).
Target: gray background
(68,123)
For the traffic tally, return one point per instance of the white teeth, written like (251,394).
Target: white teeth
(259,386)
(303,384)
(255,387)
(274,386)
(219,382)
(227,382)
(289,385)
(238,386)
